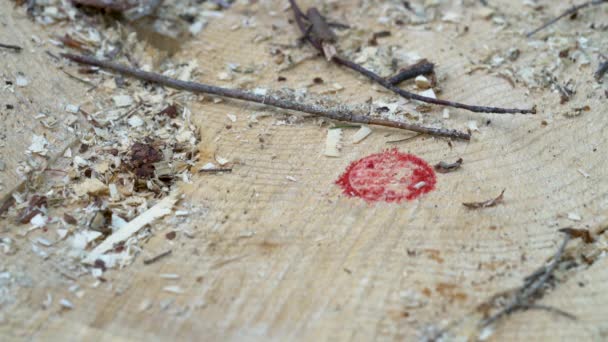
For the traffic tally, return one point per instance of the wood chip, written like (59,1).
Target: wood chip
(173,289)
(361,134)
(122,100)
(39,145)
(66,304)
(171,276)
(90,186)
(162,208)
(485,204)
(333,143)
(428,93)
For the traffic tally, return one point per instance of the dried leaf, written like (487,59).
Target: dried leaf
(485,204)
(584,234)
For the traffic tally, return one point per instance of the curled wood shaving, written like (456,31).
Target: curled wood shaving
(485,204)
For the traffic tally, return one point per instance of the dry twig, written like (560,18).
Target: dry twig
(340,113)
(571,11)
(601,70)
(11,47)
(531,290)
(216,170)
(320,43)
(423,67)
(157,257)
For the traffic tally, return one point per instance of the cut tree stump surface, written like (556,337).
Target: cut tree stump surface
(276,259)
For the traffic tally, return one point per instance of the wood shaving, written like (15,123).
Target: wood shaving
(173,289)
(574,217)
(162,208)
(361,134)
(39,145)
(66,304)
(333,143)
(90,186)
(169,276)
(21,81)
(122,100)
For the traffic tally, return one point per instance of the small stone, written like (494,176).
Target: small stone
(422,82)
(484,13)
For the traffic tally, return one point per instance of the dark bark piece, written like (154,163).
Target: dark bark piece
(320,30)
(601,70)
(444,167)
(422,67)
(108,5)
(11,47)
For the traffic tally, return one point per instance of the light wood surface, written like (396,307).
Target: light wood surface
(274,259)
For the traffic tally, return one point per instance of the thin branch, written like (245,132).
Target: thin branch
(318,44)
(157,257)
(340,113)
(216,170)
(531,290)
(402,140)
(571,11)
(11,47)
(550,309)
(78,78)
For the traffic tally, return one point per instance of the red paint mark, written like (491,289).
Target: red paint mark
(389,176)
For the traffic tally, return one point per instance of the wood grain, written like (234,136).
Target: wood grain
(273,259)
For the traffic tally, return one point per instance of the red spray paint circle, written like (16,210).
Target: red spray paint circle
(390,176)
